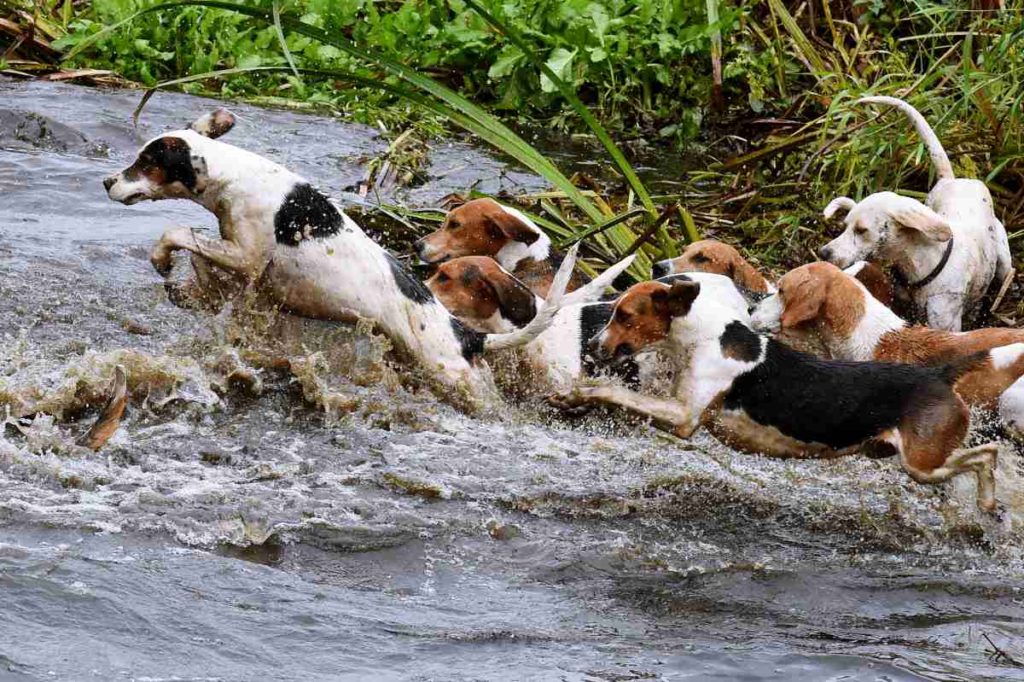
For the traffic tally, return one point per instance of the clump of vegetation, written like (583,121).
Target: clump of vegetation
(756,94)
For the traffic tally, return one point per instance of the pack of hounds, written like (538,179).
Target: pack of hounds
(710,342)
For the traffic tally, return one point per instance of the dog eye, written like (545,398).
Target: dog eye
(454,225)
(442,278)
(860,230)
(622,316)
(700,258)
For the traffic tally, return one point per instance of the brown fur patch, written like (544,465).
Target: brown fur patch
(877,282)
(821,293)
(474,288)
(480,227)
(932,430)
(715,257)
(922,345)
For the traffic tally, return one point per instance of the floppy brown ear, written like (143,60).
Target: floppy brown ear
(802,302)
(512,227)
(913,215)
(677,299)
(515,300)
(744,274)
(876,282)
(214,124)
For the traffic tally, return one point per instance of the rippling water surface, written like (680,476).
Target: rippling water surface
(280,504)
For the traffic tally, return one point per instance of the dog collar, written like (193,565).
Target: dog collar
(930,277)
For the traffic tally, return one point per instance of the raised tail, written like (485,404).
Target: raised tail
(556,300)
(943,167)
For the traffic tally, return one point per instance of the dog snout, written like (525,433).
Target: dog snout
(825,253)
(109,181)
(660,269)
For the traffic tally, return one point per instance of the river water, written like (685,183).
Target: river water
(280,504)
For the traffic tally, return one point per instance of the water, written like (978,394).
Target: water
(280,504)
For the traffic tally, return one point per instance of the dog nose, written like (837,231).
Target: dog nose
(109,181)
(825,253)
(659,269)
(418,246)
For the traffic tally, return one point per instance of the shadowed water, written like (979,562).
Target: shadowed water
(280,504)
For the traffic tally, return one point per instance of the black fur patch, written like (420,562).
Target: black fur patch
(740,343)
(411,287)
(679,277)
(829,401)
(472,342)
(172,155)
(593,318)
(305,214)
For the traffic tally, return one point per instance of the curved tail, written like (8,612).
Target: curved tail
(943,167)
(557,299)
(110,417)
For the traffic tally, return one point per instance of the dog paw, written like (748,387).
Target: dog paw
(572,402)
(161,260)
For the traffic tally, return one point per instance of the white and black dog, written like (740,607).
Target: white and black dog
(282,235)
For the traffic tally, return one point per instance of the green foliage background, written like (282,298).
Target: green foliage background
(782,139)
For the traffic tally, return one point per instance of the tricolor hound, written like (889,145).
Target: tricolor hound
(756,394)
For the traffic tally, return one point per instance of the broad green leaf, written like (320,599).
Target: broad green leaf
(560,63)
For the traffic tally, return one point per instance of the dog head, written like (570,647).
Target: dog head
(710,255)
(483,295)
(171,166)
(642,318)
(882,227)
(814,296)
(481,227)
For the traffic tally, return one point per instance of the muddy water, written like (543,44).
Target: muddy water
(282,505)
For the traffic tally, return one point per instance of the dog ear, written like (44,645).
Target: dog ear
(913,215)
(214,124)
(875,280)
(677,299)
(802,302)
(845,203)
(515,300)
(512,227)
(744,274)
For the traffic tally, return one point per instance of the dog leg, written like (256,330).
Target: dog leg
(242,255)
(981,460)
(673,414)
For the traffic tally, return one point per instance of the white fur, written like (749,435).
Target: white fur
(510,255)
(981,251)
(1004,356)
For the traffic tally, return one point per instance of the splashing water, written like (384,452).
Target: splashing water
(283,502)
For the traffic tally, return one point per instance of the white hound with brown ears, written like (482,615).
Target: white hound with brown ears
(820,300)
(756,394)
(279,234)
(947,251)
